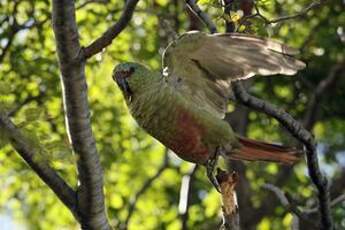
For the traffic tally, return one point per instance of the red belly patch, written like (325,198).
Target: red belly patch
(187,142)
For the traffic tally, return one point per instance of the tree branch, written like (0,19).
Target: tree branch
(41,167)
(87,2)
(228,181)
(339,199)
(291,207)
(14,27)
(302,13)
(267,21)
(90,191)
(106,39)
(142,190)
(318,94)
(296,129)
(202,15)
(26,101)
(12,31)
(8,45)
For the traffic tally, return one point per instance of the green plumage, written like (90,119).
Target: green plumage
(184,107)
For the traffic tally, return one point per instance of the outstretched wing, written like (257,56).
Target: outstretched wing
(203,65)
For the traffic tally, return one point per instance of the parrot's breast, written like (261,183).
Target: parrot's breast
(187,141)
(192,133)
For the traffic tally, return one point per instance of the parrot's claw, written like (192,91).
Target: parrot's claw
(210,167)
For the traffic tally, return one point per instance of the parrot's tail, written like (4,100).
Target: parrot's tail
(253,150)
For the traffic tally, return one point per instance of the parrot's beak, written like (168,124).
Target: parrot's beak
(120,78)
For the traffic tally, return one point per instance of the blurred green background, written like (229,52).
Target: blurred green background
(30,91)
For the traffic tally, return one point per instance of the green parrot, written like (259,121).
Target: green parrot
(184,105)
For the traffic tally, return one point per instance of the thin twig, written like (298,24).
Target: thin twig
(267,21)
(321,89)
(312,32)
(108,36)
(338,200)
(334,202)
(302,13)
(202,15)
(14,28)
(142,190)
(289,205)
(87,2)
(26,101)
(12,31)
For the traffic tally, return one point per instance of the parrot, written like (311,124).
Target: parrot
(183,106)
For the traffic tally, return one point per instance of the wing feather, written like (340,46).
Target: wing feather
(203,65)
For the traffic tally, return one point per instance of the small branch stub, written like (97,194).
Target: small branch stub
(228,181)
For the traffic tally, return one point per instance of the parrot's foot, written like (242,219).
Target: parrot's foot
(210,168)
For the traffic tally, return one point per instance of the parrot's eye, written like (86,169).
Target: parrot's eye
(125,73)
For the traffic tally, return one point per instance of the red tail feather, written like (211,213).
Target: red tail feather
(253,150)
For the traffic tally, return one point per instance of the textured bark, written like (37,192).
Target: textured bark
(39,165)
(231,218)
(72,66)
(296,129)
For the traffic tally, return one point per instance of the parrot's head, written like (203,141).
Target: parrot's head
(131,78)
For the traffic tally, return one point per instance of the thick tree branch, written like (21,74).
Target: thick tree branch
(142,190)
(106,39)
(90,191)
(296,129)
(40,166)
